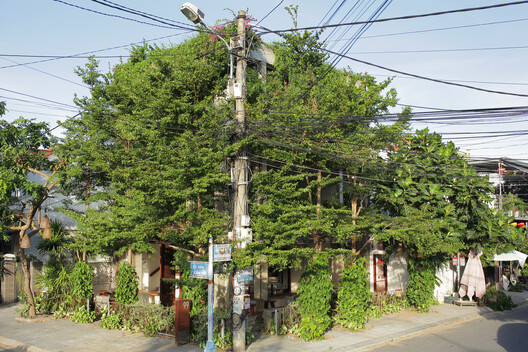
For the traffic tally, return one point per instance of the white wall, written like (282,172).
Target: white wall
(447,276)
(397,274)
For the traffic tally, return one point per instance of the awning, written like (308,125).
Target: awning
(511,256)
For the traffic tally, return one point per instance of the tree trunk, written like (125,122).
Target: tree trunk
(318,243)
(27,283)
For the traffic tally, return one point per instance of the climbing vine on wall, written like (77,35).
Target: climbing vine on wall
(353,297)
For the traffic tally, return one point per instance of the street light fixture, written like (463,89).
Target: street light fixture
(193,14)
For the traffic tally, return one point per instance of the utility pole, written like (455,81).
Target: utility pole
(240,208)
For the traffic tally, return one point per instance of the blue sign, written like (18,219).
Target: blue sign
(244,275)
(200,270)
(221,252)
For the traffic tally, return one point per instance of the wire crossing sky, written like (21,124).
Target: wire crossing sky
(480,44)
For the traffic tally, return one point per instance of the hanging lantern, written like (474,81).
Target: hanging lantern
(45,225)
(25,242)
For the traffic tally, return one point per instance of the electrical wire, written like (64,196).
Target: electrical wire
(154,18)
(48,74)
(38,98)
(58,57)
(439,13)
(120,17)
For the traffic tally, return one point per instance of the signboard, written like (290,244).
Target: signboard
(462,261)
(244,275)
(238,304)
(200,270)
(221,252)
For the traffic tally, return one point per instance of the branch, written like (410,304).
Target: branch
(182,249)
(37,172)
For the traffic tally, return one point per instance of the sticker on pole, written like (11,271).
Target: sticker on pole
(200,270)
(221,252)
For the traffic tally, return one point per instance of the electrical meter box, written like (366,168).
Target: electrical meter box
(237,90)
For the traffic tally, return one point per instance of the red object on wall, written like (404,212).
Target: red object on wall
(380,274)
(182,308)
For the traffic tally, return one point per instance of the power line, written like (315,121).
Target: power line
(58,57)
(121,17)
(154,18)
(439,50)
(401,17)
(49,74)
(441,29)
(38,98)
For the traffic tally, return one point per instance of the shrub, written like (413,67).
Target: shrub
(110,322)
(81,280)
(315,293)
(497,300)
(422,280)
(81,315)
(126,284)
(148,318)
(385,303)
(353,296)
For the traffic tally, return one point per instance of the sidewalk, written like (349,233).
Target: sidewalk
(63,335)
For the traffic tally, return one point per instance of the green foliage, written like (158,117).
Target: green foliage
(516,288)
(353,296)
(199,328)
(422,280)
(81,280)
(149,136)
(111,321)
(384,303)
(497,300)
(148,318)
(81,315)
(126,284)
(291,320)
(23,145)
(315,292)
(438,203)
(524,270)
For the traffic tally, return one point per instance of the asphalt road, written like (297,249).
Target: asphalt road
(492,332)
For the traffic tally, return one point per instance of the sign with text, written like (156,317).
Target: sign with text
(244,275)
(221,252)
(200,270)
(462,261)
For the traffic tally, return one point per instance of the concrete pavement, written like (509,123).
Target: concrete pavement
(63,335)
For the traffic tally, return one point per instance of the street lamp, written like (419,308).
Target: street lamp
(193,14)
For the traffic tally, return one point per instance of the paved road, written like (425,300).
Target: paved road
(492,332)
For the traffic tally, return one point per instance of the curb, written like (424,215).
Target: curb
(16,344)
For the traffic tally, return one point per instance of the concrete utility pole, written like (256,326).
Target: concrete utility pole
(241,162)
(240,208)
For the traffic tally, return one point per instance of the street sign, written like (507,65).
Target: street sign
(244,275)
(200,270)
(221,252)
(462,261)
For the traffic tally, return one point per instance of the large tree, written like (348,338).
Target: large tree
(24,150)
(145,152)
(436,203)
(315,133)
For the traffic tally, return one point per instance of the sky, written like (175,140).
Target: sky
(484,49)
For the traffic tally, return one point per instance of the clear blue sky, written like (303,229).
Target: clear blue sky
(475,53)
